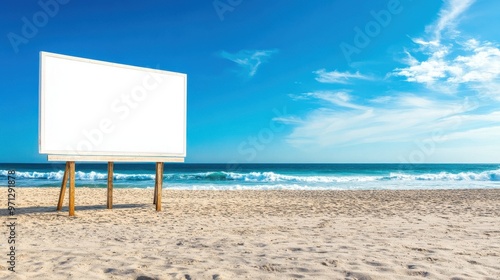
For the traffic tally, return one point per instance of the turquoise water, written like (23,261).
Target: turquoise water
(266,176)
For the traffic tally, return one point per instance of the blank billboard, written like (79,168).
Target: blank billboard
(96,108)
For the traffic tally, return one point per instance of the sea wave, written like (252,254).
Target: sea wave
(79,175)
(489,175)
(266,177)
(35,175)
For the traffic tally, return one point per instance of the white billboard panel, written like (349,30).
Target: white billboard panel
(96,108)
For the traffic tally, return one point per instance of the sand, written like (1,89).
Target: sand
(440,234)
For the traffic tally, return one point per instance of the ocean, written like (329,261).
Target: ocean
(265,176)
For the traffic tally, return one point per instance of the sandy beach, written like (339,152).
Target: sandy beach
(439,234)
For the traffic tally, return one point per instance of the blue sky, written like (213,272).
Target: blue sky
(281,81)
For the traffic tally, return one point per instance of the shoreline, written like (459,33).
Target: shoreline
(259,234)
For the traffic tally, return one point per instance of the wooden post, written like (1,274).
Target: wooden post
(158,185)
(155,195)
(71,188)
(110,185)
(63,187)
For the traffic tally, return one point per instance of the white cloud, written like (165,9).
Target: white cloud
(288,120)
(414,101)
(450,63)
(448,17)
(443,62)
(479,64)
(402,119)
(338,98)
(381,99)
(250,60)
(336,77)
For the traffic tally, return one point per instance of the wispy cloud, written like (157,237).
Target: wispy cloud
(249,60)
(448,17)
(487,133)
(337,98)
(450,63)
(403,118)
(442,62)
(336,77)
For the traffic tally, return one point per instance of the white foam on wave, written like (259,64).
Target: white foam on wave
(79,175)
(268,178)
(490,175)
(57,175)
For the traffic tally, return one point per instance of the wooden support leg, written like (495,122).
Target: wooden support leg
(63,187)
(110,185)
(158,184)
(71,188)
(155,195)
